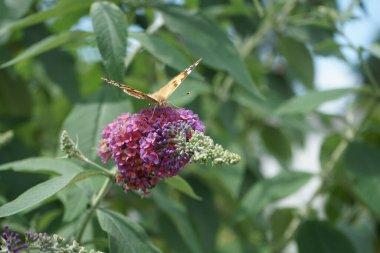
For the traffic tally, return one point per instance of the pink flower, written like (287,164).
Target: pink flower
(143,148)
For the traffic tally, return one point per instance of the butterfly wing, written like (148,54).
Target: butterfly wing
(130,91)
(162,95)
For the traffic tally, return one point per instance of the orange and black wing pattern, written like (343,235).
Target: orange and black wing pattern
(130,91)
(162,95)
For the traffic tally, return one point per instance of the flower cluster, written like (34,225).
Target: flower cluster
(203,149)
(143,145)
(46,243)
(11,242)
(155,144)
(69,147)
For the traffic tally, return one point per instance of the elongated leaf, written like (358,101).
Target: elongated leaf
(256,105)
(58,59)
(204,215)
(178,215)
(16,8)
(299,59)
(14,106)
(362,162)
(319,237)
(277,143)
(75,202)
(181,184)
(43,191)
(163,51)
(280,220)
(46,45)
(329,144)
(362,234)
(86,120)
(188,91)
(311,100)
(375,50)
(204,39)
(270,190)
(43,165)
(124,234)
(61,9)
(110,27)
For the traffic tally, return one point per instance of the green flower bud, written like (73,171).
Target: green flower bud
(69,147)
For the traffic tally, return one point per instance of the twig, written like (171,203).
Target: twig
(95,203)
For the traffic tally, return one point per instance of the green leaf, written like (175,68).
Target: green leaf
(330,143)
(299,59)
(280,220)
(163,51)
(110,27)
(320,237)
(43,165)
(277,143)
(178,215)
(361,232)
(46,45)
(375,50)
(311,100)
(60,9)
(232,177)
(269,190)
(329,47)
(362,162)
(18,106)
(56,60)
(75,201)
(183,186)
(204,214)
(16,8)
(188,91)
(124,234)
(43,191)
(87,120)
(205,40)
(255,105)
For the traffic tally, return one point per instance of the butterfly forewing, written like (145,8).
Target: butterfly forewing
(161,96)
(131,91)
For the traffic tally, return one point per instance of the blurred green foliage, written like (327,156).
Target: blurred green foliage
(254,90)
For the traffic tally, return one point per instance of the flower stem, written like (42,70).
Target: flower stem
(95,203)
(105,171)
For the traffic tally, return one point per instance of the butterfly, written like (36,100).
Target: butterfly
(161,96)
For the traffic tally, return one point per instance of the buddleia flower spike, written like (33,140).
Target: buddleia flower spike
(147,149)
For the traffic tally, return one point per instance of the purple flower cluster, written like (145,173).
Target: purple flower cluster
(11,240)
(143,145)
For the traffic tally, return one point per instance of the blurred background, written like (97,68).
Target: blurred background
(290,85)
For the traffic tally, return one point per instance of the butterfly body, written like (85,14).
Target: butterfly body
(161,96)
